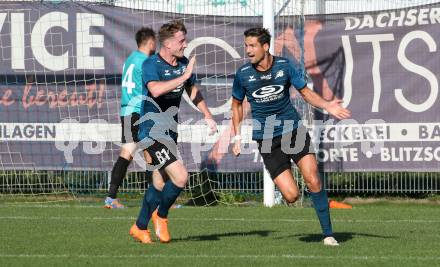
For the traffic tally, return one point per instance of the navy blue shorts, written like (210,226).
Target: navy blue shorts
(277,155)
(162,151)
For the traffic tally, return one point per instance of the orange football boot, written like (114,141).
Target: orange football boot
(142,236)
(161,227)
(338,205)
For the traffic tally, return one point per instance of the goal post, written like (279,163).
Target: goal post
(269,23)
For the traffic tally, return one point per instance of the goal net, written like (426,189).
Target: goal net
(60,93)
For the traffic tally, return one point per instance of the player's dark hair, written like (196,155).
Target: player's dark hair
(169,29)
(262,34)
(143,35)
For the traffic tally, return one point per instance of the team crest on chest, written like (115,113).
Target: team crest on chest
(279,74)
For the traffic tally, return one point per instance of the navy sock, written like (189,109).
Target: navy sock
(118,173)
(170,193)
(149,204)
(320,203)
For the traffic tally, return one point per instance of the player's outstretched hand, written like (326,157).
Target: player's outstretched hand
(335,108)
(190,67)
(236,149)
(212,125)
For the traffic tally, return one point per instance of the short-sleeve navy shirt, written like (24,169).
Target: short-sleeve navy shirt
(155,68)
(268,95)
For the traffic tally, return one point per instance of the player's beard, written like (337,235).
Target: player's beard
(261,59)
(179,53)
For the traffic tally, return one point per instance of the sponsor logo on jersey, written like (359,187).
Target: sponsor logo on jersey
(252,78)
(178,89)
(167,73)
(281,61)
(268,93)
(266,77)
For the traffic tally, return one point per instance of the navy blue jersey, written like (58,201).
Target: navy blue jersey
(155,68)
(268,95)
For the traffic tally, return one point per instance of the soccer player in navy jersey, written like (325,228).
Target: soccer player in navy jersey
(265,82)
(166,76)
(131,100)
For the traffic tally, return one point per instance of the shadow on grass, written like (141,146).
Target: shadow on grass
(341,237)
(217,237)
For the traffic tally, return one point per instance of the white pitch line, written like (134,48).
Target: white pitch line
(124,218)
(207,256)
(50,206)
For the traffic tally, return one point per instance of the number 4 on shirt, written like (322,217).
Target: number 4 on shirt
(127,82)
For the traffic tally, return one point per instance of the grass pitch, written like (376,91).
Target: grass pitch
(78,234)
